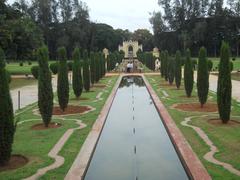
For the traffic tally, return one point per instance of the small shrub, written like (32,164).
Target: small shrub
(34,71)
(21,64)
(54,68)
(233,59)
(210,65)
(29,63)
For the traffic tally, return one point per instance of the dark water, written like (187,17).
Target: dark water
(134,144)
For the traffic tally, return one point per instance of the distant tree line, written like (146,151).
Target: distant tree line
(24,27)
(193,24)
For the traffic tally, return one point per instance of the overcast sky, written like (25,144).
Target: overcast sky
(124,14)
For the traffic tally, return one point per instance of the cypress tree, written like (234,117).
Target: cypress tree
(86,73)
(7,127)
(104,65)
(178,69)
(188,74)
(162,56)
(45,91)
(166,61)
(77,76)
(202,77)
(171,71)
(97,67)
(224,90)
(92,67)
(62,83)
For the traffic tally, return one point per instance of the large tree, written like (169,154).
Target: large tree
(7,127)
(224,89)
(62,82)
(202,77)
(188,74)
(45,91)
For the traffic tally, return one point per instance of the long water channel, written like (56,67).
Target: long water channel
(134,144)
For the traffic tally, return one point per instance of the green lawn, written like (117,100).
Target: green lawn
(226,138)
(19,82)
(236,63)
(15,69)
(36,144)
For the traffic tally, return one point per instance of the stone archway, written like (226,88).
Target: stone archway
(130,48)
(130,51)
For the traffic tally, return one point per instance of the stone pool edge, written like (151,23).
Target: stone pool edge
(80,164)
(190,160)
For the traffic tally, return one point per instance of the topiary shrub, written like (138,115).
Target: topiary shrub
(224,89)
(45,91)
(188,74)
(202,77)
(54,68)
(86,72)
(171,70)
(34,71)
(7,126)
(92,67)
(178,69)
(77,77)
(62,82)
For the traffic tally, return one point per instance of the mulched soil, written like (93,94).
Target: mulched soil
(71,109)
(16,161)
(197,107)
(41,126)
(218,122)
(84,99)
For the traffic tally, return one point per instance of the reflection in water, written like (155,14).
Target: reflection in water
(134,144)
(127,81)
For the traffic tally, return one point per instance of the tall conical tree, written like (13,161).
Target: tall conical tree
(224,90)
(166,61)
(178,69)
(97,61)
(7,127)
(171,70)
(188,74)
(77,76)
(45,91)
(86,72)
(62,83)
(92,67)
(202,77)
(162,56)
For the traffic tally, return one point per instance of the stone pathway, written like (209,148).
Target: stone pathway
(28,94)
(213,85)
(213,149)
